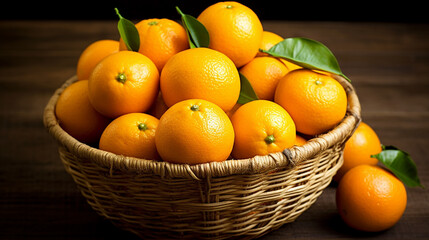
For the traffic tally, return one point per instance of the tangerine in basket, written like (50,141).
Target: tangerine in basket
(268,40)
(159,107)
(131,135)
(122,83)
(200,73)
(92,55)
(234,30)
(160,39)
(194,131)
(77,116)
(233,110)
(263,74)
(261,127)
(315,101)
(299,141)
(370,198)
(358,149)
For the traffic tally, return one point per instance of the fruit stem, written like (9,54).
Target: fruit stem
(179,11)
(269,139)
(142,126)
(117,13)
(121,77)
(195,107)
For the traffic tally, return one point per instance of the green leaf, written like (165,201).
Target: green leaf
(197,34)
(247,94)
(306,53)
(400,164)
(129,33)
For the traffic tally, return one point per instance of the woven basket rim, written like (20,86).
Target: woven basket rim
(290,157)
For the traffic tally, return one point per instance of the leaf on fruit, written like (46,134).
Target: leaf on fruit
(197,34)
(247,94)
(306,53)
(129,33)
(400,164)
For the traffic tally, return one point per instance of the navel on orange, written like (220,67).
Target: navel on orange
(194,131)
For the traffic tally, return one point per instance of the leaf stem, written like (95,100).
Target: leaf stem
(117,13)
(179,11)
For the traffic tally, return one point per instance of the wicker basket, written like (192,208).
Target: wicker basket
(237,198)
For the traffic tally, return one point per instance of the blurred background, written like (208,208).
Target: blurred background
(309,10)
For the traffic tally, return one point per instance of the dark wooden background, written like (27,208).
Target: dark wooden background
(309,10)
(388,63)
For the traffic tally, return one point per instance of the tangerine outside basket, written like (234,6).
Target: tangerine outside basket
(243,198)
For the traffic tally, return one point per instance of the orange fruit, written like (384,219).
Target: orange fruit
(158,107)
(122,83)
(358,149)
(316,102)
(234,30)
(131,135)
(160,39)
(290,66)
(92,55)
(299,141)
(370,199)
(269,39)
(77,116)
(263,74)
(194,131)
(233,110)
(261,127)
(200,73)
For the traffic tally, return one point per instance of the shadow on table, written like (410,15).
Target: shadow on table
(335,225)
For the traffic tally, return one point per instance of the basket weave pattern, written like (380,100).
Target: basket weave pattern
(237,198)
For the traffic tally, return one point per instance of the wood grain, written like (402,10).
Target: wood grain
(387,62)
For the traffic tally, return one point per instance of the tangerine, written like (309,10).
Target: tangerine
(234,30)
(200,73)
(122,83)
(77,116)
(261,127)
(370,199)
(264,74)
(92,55)
(160,39)
(194,131)
(358,149)
(315,101)
(131,135)
(269,39)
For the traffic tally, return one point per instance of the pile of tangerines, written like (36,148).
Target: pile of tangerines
(169,102)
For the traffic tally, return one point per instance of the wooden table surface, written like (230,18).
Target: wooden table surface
(387,62)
